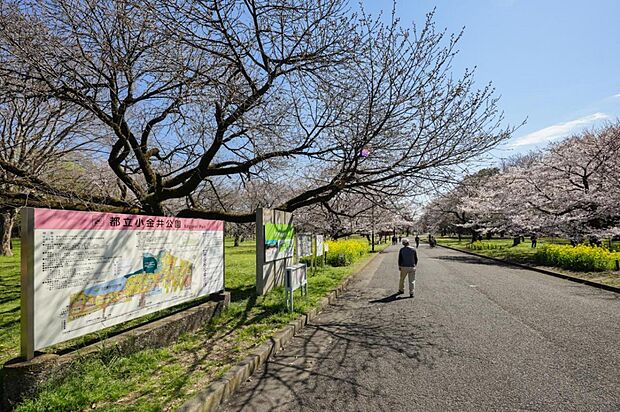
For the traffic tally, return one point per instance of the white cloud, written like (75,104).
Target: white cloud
(616,95)
(558,131)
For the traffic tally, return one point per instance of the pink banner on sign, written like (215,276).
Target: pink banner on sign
(68,219)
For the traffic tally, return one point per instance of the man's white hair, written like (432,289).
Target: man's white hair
(405,241)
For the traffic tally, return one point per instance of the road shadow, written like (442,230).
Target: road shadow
(391,298)
(328,365)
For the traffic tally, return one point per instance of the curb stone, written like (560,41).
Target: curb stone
(544,271)
(220,390)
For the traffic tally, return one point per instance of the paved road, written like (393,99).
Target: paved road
(477,336)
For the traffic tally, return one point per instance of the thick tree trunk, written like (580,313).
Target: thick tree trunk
(474,236)
(7,219)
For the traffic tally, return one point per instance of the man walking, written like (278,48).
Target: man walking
(407,262)
(417,241)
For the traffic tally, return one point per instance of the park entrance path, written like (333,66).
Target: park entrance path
(477,336)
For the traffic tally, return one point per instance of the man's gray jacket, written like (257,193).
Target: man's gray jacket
(407,257)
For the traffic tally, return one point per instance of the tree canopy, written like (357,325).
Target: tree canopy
(571,188)
(195,100)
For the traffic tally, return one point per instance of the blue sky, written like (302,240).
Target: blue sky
(556,63)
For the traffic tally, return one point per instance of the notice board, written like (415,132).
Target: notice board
(85,271)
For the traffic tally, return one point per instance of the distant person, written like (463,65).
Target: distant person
(407,262)
(533,239)
(431,241)
(394,239)
(417,241)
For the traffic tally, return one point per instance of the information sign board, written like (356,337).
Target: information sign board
(319,245)
(304,245)
(85,271)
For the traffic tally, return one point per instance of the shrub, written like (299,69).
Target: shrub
(478,245)
(580,258)
(345,252)
(318,262)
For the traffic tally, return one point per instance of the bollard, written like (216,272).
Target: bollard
(617,264)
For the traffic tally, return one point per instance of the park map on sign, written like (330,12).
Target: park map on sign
(161,274)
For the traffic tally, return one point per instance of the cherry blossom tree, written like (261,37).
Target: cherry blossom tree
(458,210)
(574,184)
(190,93)
(570,188)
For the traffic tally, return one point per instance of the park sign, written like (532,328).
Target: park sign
(85,271)
(275,247)
(304,245)
(319,245)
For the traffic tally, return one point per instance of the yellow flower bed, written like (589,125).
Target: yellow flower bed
(580,258)
(344,252)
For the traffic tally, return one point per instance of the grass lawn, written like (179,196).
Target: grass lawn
(524,254)
(162,379)
(9,304)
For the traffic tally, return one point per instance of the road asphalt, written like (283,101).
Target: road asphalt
(478,336)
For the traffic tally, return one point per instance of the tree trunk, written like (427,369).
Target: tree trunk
(7,219)
(237,238)
(516,240)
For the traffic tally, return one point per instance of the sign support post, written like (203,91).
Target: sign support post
(27,284)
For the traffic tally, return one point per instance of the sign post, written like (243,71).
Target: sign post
(274,247)
(320,250)
(27,284)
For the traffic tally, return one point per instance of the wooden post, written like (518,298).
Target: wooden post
(260,251)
